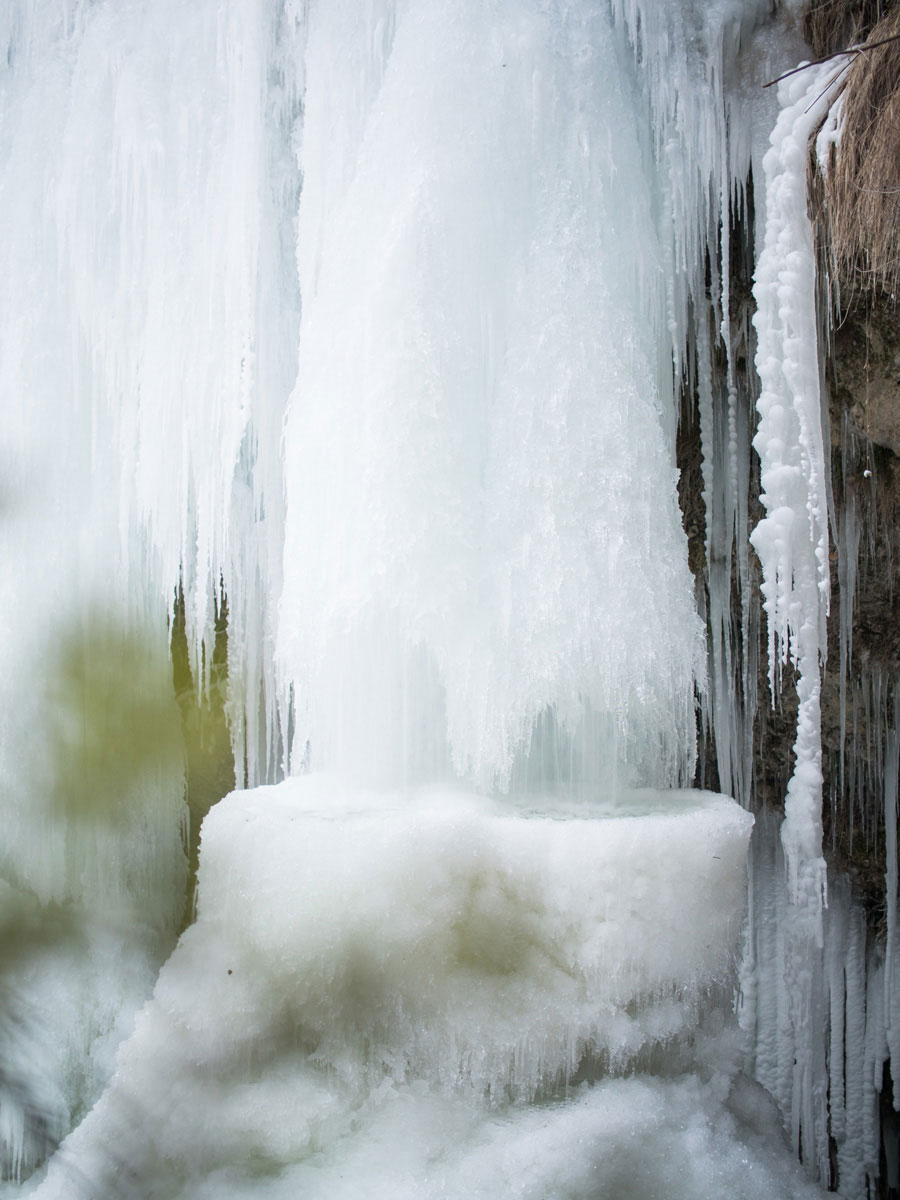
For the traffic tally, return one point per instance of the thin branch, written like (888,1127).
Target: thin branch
(837,54)
(846,67)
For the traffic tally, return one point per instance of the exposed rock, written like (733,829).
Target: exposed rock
(866,365)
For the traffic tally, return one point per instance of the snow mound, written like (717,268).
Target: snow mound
(458,955)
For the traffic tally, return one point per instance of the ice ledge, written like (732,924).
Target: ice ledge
(470,936)
(353,947)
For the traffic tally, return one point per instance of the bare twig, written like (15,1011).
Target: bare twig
(854,50)
(846,67)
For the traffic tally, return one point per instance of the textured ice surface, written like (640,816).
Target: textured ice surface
(494,947)
(68,994)
(792,543)
(378,982)
(504,211)
(481,520)
(634,1139)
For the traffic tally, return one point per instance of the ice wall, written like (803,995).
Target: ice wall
(485,571)
(159,360)
(145,291)
(442,503)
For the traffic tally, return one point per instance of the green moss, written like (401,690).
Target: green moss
(204,728)
(111,722)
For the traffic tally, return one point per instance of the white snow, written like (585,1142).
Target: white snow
(377,984)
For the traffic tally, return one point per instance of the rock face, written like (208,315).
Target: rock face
(866,367)
(864,641)
(860,693)
(854,206)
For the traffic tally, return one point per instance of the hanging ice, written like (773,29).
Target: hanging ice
(792,543)
(372,979)
(442,505)
(485,571)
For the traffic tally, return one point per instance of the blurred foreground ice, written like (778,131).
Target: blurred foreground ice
(425,995)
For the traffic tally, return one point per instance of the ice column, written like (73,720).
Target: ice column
(485,573)
(792,544)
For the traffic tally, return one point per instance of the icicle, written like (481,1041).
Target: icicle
(876,1053)
(836,938)
(849,533)
(792,539)
(792,543)
(892,935)
(851,1157)
(764,1010)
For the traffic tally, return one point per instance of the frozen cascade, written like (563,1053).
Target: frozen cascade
(135,340)
(416,419)
(818,990)
(374,977)
(792,544)
(475,408)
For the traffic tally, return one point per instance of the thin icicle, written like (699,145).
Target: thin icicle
(892,947)
(850,1152)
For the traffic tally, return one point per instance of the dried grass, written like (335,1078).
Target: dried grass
(862,186)
(831,25)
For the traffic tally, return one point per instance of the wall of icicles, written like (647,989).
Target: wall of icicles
(802,704)
(782,490)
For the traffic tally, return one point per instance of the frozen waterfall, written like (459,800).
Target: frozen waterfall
(365,324)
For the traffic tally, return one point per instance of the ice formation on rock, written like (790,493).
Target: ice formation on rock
(416,968)
(792,543)
(372,315)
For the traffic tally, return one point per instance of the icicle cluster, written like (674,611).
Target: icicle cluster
(792,544)
(441,500)
(484,568)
